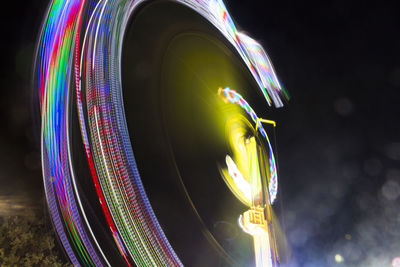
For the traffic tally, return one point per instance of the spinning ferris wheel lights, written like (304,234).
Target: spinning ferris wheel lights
(248,176)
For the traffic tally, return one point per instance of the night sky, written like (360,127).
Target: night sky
(338,138)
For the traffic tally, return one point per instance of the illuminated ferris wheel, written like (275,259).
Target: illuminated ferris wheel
(168,148)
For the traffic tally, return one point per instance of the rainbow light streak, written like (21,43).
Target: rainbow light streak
(92,65)
(232,96)
(54,70)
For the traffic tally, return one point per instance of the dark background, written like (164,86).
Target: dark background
(338,138)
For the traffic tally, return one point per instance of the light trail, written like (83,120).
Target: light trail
(94,68)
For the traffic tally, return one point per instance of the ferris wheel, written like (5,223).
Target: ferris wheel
(145,146)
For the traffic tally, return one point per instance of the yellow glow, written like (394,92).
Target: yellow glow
(339,258)
(259,120)
(237,173)
(245,175)
(254,168)
(253,222)
(239,181)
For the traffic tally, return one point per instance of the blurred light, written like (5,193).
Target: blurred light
(229,95)
(241,183)
(339,258)
(396,262)
(347,236)
(11,205)
(391,190)
(63,64)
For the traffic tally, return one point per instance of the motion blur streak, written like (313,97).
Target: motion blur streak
(94,67)
(54,70)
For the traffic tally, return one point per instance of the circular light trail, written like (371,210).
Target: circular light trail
(90,66)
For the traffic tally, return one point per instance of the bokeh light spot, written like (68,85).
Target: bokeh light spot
(391,190)
(396,262)
(339,258)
